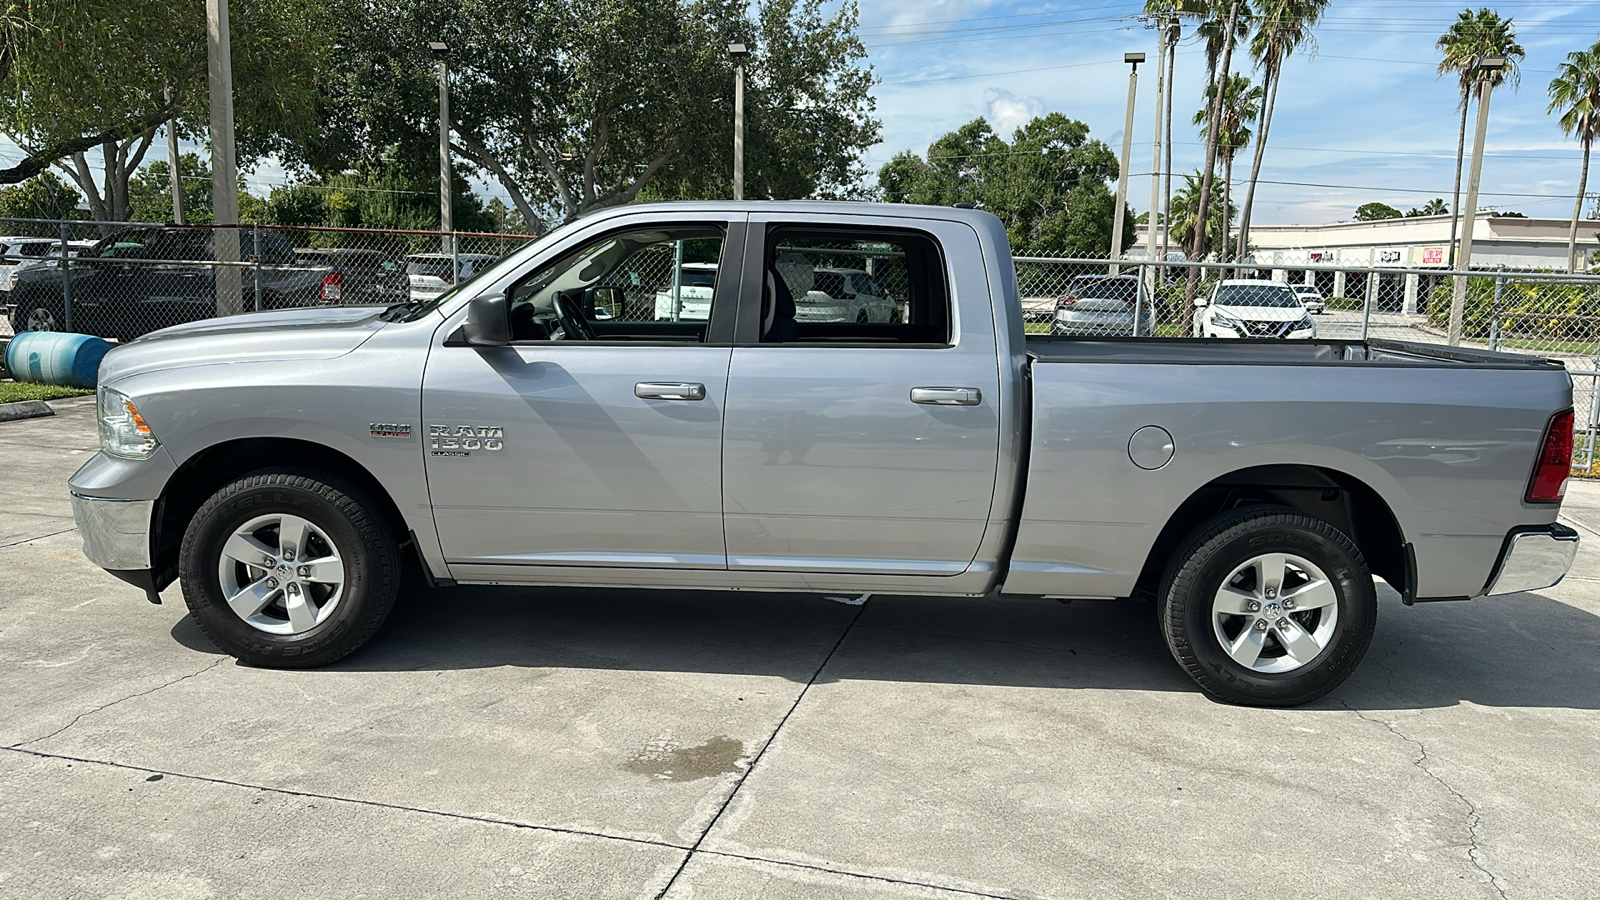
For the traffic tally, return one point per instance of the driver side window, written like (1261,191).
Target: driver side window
(654,284)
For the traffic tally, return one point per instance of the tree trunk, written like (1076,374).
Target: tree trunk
(1227,198)
(1455,204)
(1265,125)
(478,153)
(1577,212)
(1208,176)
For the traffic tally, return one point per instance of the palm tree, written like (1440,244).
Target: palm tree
(1472,36)
(1237,10)
(1186,207)
(1282,26)
(1168,15)
(1241,102)
(1576,89)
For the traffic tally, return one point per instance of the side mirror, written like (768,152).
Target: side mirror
(1201,301)
(488,321)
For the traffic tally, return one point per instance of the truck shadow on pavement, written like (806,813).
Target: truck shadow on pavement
(1521,650)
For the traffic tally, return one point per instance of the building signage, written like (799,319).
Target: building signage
(1432,256)
(1392,257)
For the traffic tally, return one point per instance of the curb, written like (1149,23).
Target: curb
(25,409)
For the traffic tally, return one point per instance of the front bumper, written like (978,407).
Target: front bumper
(116,533)
(1534,558)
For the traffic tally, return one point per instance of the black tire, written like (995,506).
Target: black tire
(371,574)
(37,315)
(862,318)
(1215,550)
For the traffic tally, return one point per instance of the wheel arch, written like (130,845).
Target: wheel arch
(207,471)
(1338,498)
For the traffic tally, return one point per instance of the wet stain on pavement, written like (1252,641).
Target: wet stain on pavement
(667,761)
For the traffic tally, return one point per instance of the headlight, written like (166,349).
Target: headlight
(123,431)
(1218,317)
(1305,323)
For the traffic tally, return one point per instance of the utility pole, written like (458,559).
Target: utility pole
(1486,67)
(1174,34)
(738,53)
(1133,60)
(224,164)
(441,52)
(1154,215)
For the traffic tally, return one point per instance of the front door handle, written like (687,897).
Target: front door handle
(946,396)
(669,390)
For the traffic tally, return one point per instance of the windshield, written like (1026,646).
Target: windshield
(1122,289)
(1255,295)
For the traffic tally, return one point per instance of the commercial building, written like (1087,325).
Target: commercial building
(1349,257)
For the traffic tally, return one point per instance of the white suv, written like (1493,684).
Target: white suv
(845,295)
(21,252)
(431,274)
(696,281)
(1311,298)
(1248,308)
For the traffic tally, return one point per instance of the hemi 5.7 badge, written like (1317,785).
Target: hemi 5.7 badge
(389,430)
(461,440)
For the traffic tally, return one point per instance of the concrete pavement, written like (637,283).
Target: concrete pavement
(642,743)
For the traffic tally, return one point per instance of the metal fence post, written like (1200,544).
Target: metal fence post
(1494,308)
(256,231)
(677,280)
(1366,303)
(66,281)
(455,258)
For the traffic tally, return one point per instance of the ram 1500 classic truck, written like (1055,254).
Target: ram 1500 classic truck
(280,464)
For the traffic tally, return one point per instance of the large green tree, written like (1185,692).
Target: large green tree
(576,106)
(1375,211)
(1575,91)
(1048,184)
(45,196)
(1475,34)
(84,75)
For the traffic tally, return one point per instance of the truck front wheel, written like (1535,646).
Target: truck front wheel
(1268,606)
(289,569)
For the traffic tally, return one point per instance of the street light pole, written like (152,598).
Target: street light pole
(1486,67)
(441,52)
(224,164)
(1133,60)
(738,53)
(1155,155)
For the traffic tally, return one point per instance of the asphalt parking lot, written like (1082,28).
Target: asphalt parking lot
(596,744)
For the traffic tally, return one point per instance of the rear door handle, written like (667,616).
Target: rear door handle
(946,396)
(669,390)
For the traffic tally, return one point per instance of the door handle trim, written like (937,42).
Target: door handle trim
(947,396)
(669,390)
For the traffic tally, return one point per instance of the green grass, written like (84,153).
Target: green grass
(1162,330)
(11,391)
(1581,348)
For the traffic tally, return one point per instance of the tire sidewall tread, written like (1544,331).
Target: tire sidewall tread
(372,566)
(1209,554)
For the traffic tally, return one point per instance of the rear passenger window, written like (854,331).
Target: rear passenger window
(853,286)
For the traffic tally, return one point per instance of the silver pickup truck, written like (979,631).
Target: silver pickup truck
(282,465)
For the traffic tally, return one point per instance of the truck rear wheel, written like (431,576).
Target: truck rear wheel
(1268,606)
(289,569)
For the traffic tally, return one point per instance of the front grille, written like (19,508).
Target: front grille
(1266,329)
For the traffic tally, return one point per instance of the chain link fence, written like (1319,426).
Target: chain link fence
(120,280)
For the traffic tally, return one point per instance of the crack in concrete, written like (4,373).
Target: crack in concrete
(756,760)
(81,716)
(481,819)
(38,538)
(1475,854)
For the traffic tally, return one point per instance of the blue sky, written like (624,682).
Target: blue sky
(1365,112)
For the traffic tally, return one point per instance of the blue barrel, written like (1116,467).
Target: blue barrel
(53,357)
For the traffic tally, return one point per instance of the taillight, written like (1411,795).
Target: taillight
(1549,482)
(331,287)
(1066,301)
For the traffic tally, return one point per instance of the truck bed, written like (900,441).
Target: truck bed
(1193,351)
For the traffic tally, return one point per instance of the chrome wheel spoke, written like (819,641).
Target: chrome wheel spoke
(1236,602)
(292,533)
(1269,573)
(247,549)
(302,615)
(1246,648)
(1315,594)
(323,570)
(1296,641)
(253,598)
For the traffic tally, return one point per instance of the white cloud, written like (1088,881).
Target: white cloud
(1007,112)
